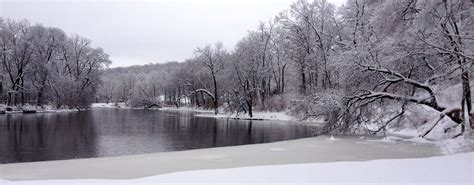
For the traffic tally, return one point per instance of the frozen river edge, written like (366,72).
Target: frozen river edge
(320,149)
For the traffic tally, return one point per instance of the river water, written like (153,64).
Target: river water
(114,132)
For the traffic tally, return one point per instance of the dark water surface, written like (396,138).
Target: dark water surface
(114,132)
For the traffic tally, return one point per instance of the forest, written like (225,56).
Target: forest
(366,61)
(42,65)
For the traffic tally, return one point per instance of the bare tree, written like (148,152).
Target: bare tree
(17,50)
(213,59)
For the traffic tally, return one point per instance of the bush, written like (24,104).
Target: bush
(142,103)
(326,104)
(277,103)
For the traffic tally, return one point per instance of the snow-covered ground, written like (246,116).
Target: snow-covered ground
(453,169)
(322,149)
(312,161)
(186,109)
(38,109)
(280,116)
(257,115)
(277,116)
(109,105)
(124,106)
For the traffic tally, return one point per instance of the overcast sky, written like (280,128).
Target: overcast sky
(149,31)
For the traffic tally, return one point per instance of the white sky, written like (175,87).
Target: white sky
(149,31)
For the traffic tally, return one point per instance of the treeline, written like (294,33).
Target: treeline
(42,65)
(341,64)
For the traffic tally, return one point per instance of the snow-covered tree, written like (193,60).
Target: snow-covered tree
(212,58)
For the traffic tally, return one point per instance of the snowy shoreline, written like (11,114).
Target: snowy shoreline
(320,149)
(41,111)
(270,116)
(454,169)
(32,109)
(273,116)
(309,160)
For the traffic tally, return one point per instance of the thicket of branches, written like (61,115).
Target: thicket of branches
(42,65)
(319,61)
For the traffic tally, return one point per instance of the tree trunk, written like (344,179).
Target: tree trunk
(39,101)
(22,94)
(216,97)
(303,82)
(283,79)
(1,85)
(467,121)
(9,101)
(466,98)
(249,104)
(204,102)
(466,90)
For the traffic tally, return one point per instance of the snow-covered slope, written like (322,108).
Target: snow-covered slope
(454,169)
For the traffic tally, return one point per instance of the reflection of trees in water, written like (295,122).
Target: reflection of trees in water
(39,137)
(199,132)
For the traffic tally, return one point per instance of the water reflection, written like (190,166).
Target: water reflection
(112,132)
(40,137)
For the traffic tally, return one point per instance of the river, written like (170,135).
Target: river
(102,132)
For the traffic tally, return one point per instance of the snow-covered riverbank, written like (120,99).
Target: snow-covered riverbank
(276,116)
(109,105)
(298,161)
(33,109)
(311,150)
(453,169)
